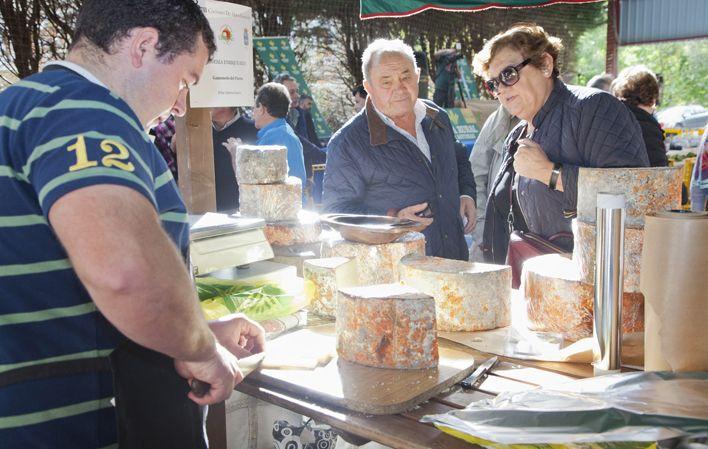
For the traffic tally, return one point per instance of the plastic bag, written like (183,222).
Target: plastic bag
(633,408)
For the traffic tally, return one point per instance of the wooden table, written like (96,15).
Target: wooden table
(403,430)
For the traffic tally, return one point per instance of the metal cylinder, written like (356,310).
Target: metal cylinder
(609,271)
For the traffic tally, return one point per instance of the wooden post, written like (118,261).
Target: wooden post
(195,160)
(611,56)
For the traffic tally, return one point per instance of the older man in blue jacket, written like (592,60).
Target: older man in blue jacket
(398,156)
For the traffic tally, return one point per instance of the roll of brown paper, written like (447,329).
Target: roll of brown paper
(674,280)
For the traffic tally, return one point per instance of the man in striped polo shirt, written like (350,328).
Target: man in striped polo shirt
(93,240)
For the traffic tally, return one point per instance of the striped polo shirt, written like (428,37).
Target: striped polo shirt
(60,132)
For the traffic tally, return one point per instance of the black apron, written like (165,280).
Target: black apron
(152,407)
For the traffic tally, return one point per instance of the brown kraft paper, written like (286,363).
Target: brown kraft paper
(674,280)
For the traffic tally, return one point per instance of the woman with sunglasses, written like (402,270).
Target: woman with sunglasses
(562,128)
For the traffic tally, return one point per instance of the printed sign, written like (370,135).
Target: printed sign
(228,79)
(467,123)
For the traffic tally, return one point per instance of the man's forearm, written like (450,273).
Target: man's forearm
(136,277)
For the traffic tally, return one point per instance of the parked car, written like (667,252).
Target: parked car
(670,117)
(683,125)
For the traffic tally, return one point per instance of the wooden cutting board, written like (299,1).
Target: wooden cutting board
(355,387)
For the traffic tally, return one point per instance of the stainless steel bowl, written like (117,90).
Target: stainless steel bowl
(371,229)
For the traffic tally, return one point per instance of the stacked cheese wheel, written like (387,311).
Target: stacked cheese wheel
(559,292)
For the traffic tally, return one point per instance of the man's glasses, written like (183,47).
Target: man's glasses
(508,77)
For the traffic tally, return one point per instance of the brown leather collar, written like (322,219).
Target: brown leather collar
(377,127)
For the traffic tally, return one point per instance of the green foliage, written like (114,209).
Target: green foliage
(683,64)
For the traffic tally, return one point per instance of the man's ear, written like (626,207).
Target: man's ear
(367,86)
(142,44)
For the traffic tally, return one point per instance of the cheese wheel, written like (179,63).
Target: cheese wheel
(377,264)
(272,202)
(264,164)
(323,278)
(646,190)
(558,301)
(584,254)
(468,296)
(386,326)
(306,229)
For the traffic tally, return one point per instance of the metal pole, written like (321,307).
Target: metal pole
(609,271)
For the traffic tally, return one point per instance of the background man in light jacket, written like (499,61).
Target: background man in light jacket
(486,159)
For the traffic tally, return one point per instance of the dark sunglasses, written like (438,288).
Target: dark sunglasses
(508,77)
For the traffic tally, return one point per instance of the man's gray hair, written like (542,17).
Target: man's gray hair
(379,47)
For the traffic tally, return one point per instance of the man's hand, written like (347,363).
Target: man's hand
(240,335)
(410,213)
(531,161)
(232,144)
(468,209)
(220,371)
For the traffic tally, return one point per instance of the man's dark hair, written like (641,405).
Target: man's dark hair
(282,77)
(178,22)
(360,91)
(306,97)
(275,98)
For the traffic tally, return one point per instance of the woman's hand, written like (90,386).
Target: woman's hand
(530,161)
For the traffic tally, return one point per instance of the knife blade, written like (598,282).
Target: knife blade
(479,374)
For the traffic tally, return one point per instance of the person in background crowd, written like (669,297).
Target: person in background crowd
(446,75)
(638,88)
(272,104)
(562,128)
(298,121)
(398,157)
(603,81)
(228,123)
(100,323)
(164,131)
(486,158)
(359,95)
(305,102)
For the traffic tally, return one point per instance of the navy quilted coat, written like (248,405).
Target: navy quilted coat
(578,127)
(371,169)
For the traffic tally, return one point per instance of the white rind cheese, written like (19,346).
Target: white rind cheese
(323,278)
(468,296)
(377,264)
(272,202)
(558,301)
(263,164)
(387,326)
(646,190)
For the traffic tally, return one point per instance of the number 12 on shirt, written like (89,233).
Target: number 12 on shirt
(117,154)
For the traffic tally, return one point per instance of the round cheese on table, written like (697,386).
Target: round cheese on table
(558,301)
(377,264)
(323,278)
(264,164)
(468,296)
(646,190)
(584,254)
(306,229)
(272,202)
(387,326)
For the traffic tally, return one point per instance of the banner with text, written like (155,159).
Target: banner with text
(467,123)
(279,57)
(228,79)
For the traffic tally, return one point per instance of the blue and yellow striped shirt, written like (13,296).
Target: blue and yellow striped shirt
(60,132)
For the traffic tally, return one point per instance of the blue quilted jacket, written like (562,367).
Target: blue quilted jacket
(371,169)
(578,127)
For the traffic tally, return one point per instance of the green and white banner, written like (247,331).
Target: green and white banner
(372,9)
(279,57)
(467,81)
(466,123)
